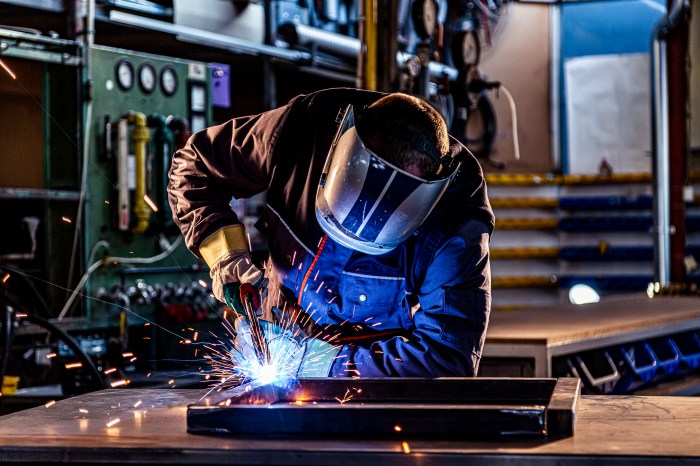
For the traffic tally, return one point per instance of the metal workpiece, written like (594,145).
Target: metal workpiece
(365,408)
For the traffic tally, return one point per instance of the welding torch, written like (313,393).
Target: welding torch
(250,297)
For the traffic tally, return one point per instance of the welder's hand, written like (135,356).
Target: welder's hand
(235,295)
(226,253)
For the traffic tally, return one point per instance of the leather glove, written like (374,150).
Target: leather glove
(292,354)
(226,254)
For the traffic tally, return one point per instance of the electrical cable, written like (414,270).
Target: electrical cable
(514,113)
(124,260)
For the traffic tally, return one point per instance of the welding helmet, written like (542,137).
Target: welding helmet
(369,205)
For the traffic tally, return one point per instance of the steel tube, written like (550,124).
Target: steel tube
(329,41)
(350,47)
(662,229)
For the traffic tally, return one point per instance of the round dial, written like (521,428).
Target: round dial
(124,73)
(425,15)
(168,80)
(147,78)
(466,49)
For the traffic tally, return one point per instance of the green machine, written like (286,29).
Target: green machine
(86,290)
(143,108)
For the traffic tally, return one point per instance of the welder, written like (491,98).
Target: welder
(377,222)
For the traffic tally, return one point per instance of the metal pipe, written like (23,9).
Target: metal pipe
(350,47)
(437,70)
(370,74)
(90,36)
(662,228)
(331,42)
(141,136)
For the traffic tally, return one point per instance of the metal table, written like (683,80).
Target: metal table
(542,334)
(152,429)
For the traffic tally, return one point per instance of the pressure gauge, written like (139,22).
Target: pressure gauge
(124,71)
(424,14)
(466,49)
(147,78)
(168,80)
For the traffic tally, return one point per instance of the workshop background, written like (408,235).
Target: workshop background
(580,112)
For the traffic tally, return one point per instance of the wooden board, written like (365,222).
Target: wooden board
(632,430)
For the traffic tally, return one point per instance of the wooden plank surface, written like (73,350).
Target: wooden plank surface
(151,428)
(568,323)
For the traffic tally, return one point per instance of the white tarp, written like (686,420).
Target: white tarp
(608,111)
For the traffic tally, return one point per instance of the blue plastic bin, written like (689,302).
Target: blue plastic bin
(687,345)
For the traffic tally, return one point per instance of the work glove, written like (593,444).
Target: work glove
(292,354)
(230,265)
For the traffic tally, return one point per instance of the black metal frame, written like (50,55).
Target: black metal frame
(444,408)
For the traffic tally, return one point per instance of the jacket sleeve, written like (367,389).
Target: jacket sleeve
(233,159)
(450,325)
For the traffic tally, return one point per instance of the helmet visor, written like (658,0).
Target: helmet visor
(367,204)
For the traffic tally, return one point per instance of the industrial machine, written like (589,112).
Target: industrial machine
(90,260)
(143,108)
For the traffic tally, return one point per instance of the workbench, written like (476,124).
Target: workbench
(539,335)
(152,429)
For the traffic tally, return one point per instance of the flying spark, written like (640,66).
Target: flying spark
(113,422)
(7,68)
(118,383)
(347,397)
(405,447)
(232,362)
(74,365)
(50,403)
(5,278)
(150,203)
(66,219)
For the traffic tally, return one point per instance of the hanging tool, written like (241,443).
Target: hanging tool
(250,296)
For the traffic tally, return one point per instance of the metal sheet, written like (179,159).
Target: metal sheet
(451,407)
